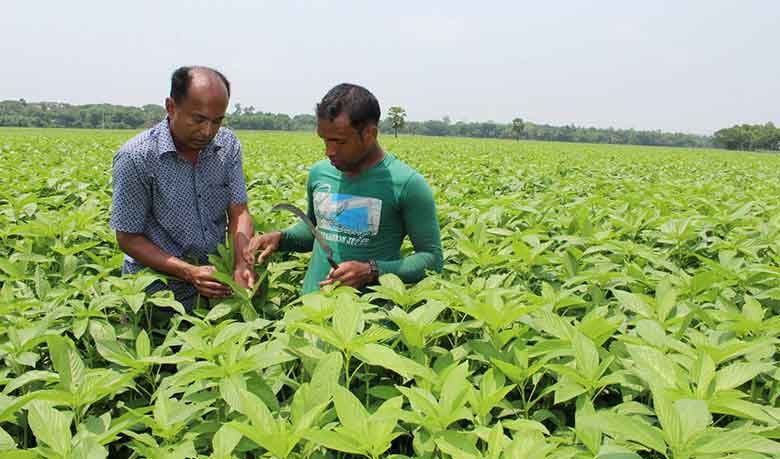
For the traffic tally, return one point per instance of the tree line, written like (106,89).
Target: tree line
(57,114)
(533,131)
(107,116)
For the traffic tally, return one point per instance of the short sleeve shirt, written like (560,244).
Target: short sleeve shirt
(180,206)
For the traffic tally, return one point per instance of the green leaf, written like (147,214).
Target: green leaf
(616,452)
(725,441)
(522,425)
(164,299)
(115,352)
(67,363)
(741,408)
(495,441)
(230,389)
(455,388)
(627,428)
(669,418)
(348,321)
(752,310)
(6,441)
(586,433)
(566,389)
(88,448)
(635,303)
(135,301)
(586,356)
(319,391)
(27,378)
(383,356)
(80,327)
(666,300)
(351,413)
(655,368)
(219,311)
(101,330)
(392,282)
(704,373)
(336,441)
(143,347)
(694,417)
(737,374)
(50,426)
(225,441)
(652,333)
(458,445)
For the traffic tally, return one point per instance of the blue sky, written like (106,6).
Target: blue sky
(691,66)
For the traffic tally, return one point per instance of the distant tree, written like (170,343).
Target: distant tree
(397,118)
(249,110)
(748,137)
(237,111)
(518,127)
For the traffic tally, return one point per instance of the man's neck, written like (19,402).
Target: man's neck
(187,155)
(374,157)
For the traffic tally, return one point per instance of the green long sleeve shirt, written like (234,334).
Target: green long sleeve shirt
(367,217)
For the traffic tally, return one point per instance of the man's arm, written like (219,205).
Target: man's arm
(240,226)
(419,213)
(148,254)
(298,238)
(240,229)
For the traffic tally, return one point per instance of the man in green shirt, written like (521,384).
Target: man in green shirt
(363,200)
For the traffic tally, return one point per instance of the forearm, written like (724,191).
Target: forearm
(413,267)
(240,229)
(149,254)
(297,238)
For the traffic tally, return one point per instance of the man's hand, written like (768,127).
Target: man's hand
(267,243)
(355,274)
(200,277)
(244,275)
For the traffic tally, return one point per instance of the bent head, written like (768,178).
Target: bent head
(347,120)
(196,106)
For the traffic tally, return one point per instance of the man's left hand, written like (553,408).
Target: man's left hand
(355,274)
(244,275)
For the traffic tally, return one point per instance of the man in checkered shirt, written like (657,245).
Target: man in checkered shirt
(179,185)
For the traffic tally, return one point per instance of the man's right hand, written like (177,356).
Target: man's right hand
(203,281)
(267,244)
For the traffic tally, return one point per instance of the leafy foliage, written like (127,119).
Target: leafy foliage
(597,302)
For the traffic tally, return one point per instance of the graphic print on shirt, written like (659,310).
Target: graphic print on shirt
(345,218)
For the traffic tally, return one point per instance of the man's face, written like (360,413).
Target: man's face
(196,119)
(345,147)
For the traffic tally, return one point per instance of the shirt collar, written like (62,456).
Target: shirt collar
(165,142)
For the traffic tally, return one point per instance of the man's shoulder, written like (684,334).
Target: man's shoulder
(401,171)
(226,138)
(141,144)
(322,168)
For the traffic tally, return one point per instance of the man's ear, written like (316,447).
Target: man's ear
(370,134)
(170,106)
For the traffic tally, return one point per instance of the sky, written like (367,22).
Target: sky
(688,66)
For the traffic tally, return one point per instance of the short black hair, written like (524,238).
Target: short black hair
(182,76)
(357,102)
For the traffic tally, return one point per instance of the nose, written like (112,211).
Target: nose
(330,150)
(210,129)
